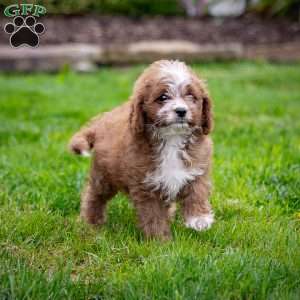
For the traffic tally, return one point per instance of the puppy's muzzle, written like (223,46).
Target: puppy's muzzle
(180,111)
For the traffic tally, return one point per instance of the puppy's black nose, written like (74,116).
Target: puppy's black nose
(180,111)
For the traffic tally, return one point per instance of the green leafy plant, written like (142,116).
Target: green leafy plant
(289,8)
(115,7)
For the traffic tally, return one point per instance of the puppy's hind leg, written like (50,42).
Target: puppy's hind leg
(93,203)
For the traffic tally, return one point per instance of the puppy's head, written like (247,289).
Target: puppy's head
(170,99)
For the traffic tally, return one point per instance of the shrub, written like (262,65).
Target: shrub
(115,7)
(288,8)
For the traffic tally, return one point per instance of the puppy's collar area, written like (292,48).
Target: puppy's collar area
(171,173)
(175,129)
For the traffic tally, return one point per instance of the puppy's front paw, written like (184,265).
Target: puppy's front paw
(200,223)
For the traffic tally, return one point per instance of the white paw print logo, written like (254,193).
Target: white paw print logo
(24,31)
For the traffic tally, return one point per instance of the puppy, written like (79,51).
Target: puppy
(155,148)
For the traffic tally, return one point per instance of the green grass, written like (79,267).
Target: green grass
(252,251)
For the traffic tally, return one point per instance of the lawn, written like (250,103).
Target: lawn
(251,252)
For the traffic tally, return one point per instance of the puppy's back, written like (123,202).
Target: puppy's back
(101,130)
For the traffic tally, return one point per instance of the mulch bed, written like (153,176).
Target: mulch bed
(107,30)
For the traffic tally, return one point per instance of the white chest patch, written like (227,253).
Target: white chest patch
(171,174)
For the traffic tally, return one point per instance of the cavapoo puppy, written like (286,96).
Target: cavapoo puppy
(155,148)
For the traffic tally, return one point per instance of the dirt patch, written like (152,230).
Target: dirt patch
(107,30)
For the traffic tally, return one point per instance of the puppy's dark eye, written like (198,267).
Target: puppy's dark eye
(163,97)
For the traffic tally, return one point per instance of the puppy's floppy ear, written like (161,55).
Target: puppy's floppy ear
(137,118)
(207,117)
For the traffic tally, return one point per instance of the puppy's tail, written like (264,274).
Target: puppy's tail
(82,143)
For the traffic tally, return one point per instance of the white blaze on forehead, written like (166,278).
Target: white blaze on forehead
(174,73)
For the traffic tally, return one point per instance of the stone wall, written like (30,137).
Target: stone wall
(86,57)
